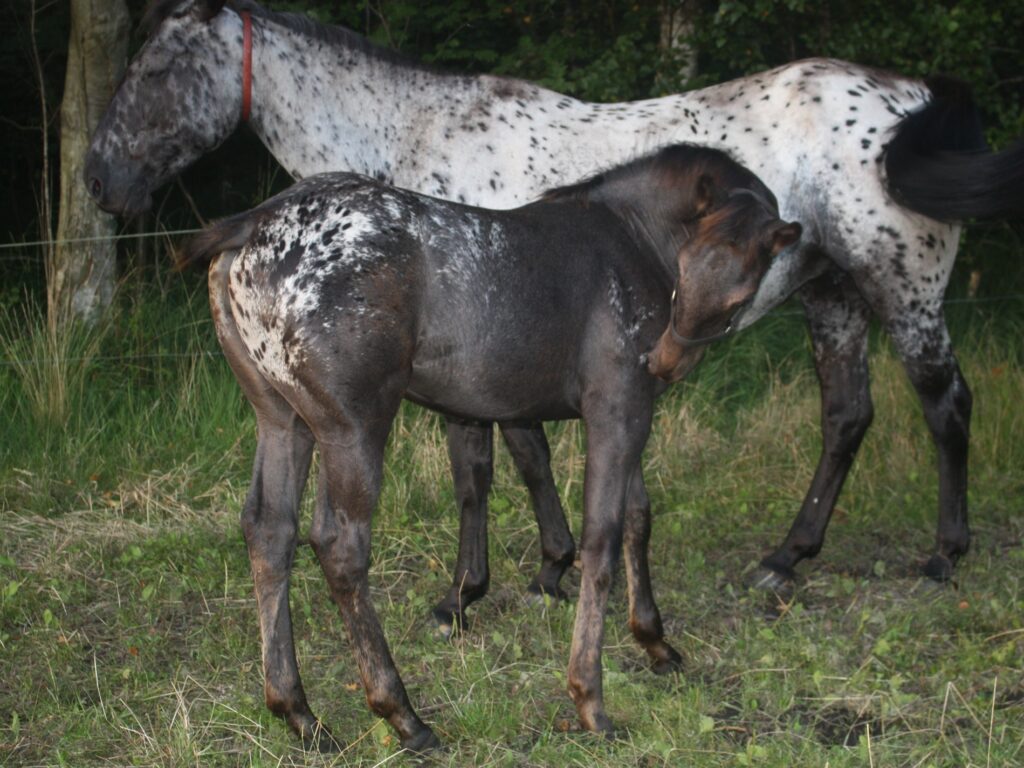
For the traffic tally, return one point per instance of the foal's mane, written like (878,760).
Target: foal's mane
(159,10)
(677,160)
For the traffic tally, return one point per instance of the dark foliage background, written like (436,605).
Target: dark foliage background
(603,50)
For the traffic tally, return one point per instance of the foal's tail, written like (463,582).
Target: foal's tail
(939,164)
(228,234)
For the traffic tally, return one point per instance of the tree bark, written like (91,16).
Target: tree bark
(84,272)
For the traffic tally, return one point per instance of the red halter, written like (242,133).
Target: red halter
(246,64)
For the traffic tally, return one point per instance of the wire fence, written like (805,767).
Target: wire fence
(25,362)
(95,239)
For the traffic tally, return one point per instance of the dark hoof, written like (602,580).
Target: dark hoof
(939,568)
(422,743)
(319,739)
(449,623)
(768,580)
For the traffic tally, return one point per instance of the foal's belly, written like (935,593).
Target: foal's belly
(494,387)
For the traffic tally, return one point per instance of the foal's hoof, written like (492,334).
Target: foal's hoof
(422,743)
(666,661)
(939,568)
(319,739)
(768,580)
(449,623)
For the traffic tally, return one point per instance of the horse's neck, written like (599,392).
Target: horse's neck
(319,106)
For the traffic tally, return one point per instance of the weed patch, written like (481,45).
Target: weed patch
(128,631)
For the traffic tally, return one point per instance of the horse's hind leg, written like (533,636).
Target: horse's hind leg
(471,450)
(529,448)
(644,617)
(838,319)
(923,342)
(352,459)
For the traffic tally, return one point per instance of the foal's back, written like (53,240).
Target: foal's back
(483,314)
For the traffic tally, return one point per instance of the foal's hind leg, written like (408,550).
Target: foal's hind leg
(270,520)
(529,448)
(471,450)
(837,318)
(352,458)
(644,617)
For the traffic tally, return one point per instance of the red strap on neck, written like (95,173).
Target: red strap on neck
(246,64)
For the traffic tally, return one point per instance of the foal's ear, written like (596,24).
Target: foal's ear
(705,195)
(207,9)
(785,235)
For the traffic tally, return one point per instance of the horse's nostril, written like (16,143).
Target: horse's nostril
(95,187)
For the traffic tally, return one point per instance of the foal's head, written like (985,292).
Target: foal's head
(731,233)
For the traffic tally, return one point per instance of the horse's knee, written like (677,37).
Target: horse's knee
(846,423)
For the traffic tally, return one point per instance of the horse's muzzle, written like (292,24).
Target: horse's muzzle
(113,194)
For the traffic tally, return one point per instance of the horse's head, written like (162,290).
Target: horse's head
(181,97)
(730,245)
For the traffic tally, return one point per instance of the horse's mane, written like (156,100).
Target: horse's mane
(160,10)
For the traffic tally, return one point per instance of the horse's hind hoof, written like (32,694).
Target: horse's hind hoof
(939,568)
(769,580)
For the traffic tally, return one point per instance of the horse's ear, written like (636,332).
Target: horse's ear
(207,9)
(785,235)
(705,195)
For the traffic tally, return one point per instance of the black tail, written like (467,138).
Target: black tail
(938,163)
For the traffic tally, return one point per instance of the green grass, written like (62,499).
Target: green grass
(128,631)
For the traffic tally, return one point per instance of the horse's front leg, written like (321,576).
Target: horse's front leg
(471,451)
(837,318)
(644,617)
(529,448)
(614,445)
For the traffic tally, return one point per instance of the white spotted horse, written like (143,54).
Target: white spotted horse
(341,296)
(878,168)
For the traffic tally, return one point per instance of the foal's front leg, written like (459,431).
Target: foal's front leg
(529,448)
(644,617)
(614,445)
(471,451)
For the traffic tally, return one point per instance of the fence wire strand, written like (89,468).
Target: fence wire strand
(16,362)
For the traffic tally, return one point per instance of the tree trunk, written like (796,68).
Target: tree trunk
(84,272)
(677,17)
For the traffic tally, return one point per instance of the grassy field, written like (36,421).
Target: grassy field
(128,630)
